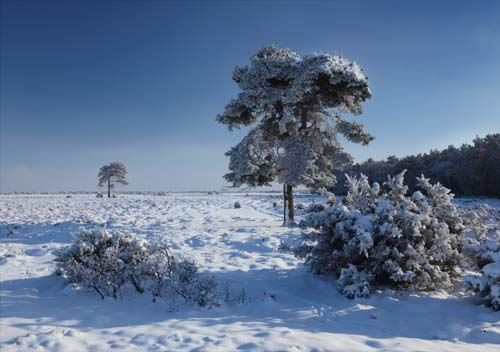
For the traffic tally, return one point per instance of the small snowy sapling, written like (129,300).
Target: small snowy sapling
(382,238)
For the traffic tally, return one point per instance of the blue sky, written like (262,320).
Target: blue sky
(86,83)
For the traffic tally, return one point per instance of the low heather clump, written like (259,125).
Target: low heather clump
(106,262)
(379,237)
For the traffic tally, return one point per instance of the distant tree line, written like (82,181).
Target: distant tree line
(469,170)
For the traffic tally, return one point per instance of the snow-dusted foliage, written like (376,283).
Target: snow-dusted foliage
(252,161)
(380,237)
(296,105)
(483,250)
(105,262)
(487,282)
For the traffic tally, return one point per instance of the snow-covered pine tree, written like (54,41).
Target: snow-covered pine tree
(111,174)
(481,247)
(296,105)
(380,237)
(485,253)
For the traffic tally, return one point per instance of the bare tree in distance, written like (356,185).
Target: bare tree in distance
(110,175)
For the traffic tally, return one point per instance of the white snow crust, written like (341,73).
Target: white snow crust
(275,305)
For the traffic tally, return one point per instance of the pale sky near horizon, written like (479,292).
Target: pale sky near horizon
(85,83)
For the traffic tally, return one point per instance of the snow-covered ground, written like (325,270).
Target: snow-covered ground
(276,305)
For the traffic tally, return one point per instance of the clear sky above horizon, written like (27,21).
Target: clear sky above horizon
(86,83)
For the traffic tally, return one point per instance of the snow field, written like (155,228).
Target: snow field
(274,305)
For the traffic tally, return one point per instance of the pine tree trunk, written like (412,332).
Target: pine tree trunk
(289,191)
(284,203)
(109,188)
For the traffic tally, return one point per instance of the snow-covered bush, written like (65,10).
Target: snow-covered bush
(168,276)
(94,261)
(480,219)
(382,238)
(315,207)
(105,262)
(484,251)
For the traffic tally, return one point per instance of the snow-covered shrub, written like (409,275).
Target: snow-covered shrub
(382,238)
(190,286)
(484,252)
(315,207)
(352,283)
(94,261)
(480,219)
(237,205)
(169,276)
(106,261)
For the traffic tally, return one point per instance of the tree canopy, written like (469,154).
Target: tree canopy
(111,174)
(296,105)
